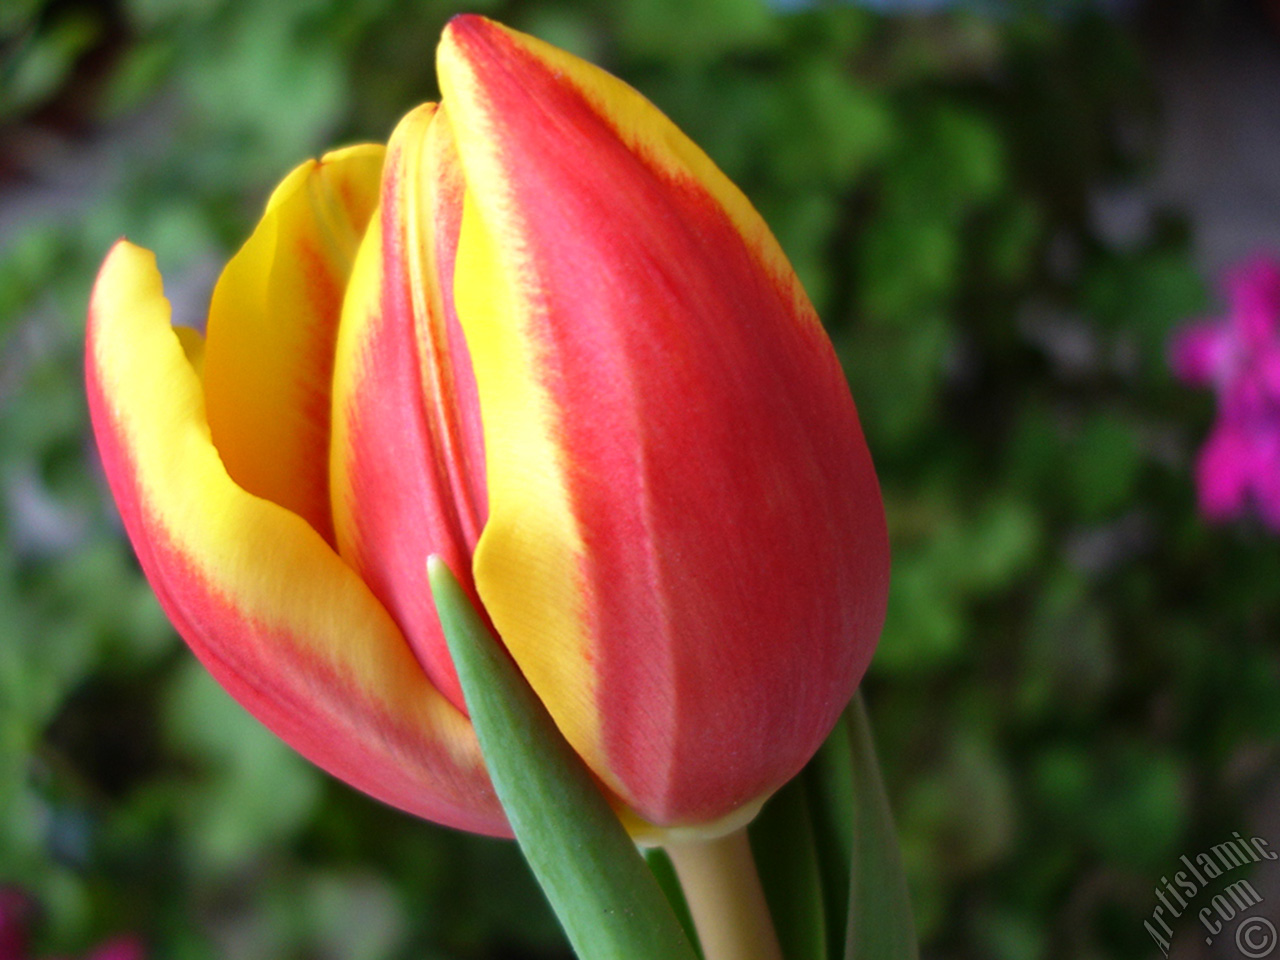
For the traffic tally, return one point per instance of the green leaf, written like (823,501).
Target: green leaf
(829,782)
(609,903)
(880,922)
(962,815)
(43,65)
(1105,467)
(785,851)
(664,872)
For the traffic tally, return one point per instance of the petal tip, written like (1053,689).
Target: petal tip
(467,25)
(124,248)
(127,268)
(467,39)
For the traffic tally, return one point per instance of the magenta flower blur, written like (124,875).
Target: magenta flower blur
(121,948)
(16,911)
(1238,356)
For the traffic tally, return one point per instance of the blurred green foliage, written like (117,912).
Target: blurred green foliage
(1078,680)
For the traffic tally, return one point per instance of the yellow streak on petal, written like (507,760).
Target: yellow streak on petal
(527,562)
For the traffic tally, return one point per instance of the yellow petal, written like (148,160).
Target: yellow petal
(272,326)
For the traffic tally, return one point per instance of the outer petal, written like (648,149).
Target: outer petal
(270,609)
(686,551)
(408,456)
(272,326)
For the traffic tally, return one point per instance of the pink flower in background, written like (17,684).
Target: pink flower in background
(16,910)
(1239,357)
(121,948)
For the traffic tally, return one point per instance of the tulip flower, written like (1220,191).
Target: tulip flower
(542,337)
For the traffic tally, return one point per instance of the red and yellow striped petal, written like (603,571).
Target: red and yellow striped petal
(277,617)
(408,458)
(685,550)
(272,326)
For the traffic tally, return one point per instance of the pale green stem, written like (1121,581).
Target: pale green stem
(725,898)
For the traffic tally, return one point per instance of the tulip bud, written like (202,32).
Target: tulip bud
(545,339)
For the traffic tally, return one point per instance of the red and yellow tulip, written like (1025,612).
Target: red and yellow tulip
(540,335)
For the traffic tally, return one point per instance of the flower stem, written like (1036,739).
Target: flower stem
(725,898)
